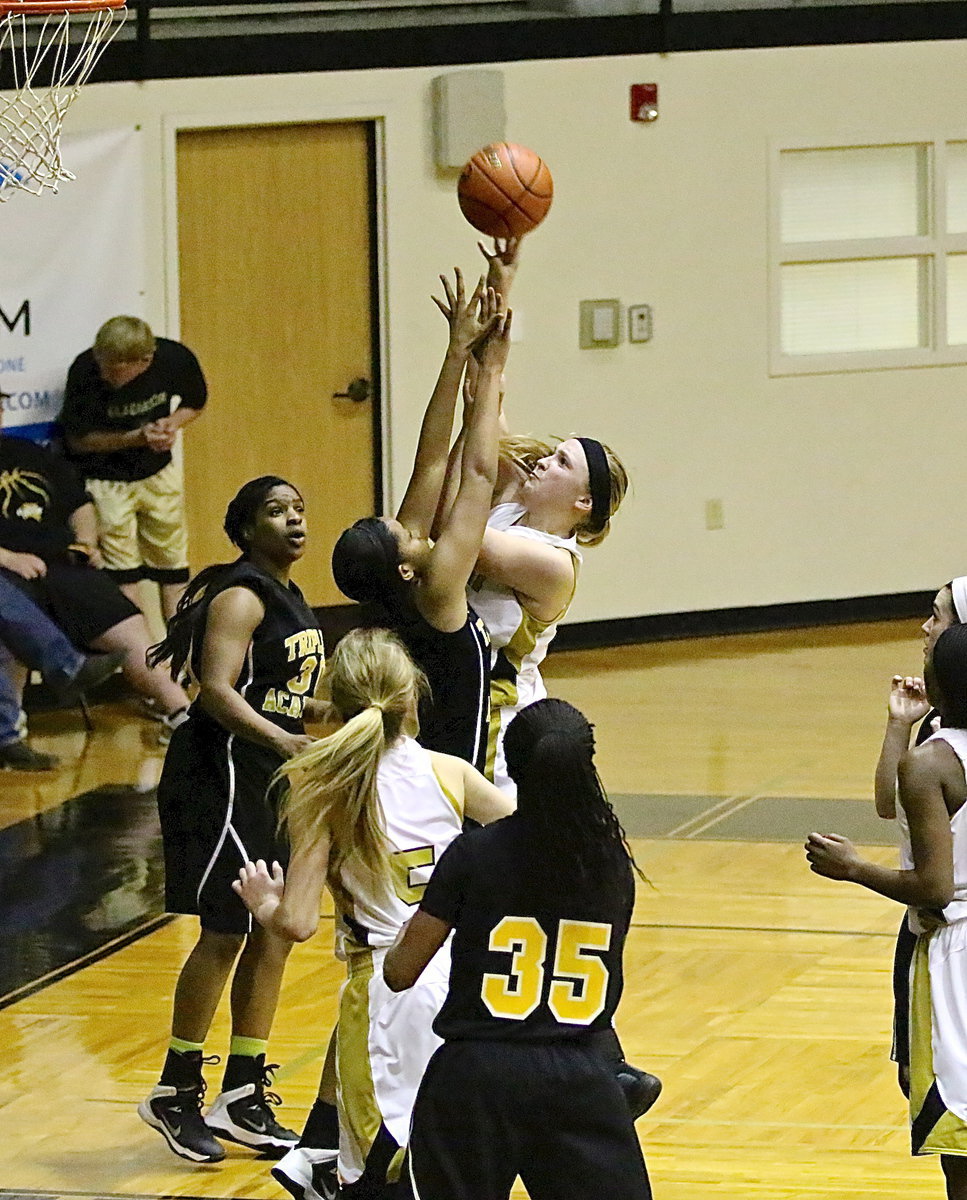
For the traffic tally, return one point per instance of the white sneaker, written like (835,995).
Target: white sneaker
(243,1115)
(297,1175)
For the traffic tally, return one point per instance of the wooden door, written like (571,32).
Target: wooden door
(275,259)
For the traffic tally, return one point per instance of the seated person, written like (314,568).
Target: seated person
(48,549)
(29,636)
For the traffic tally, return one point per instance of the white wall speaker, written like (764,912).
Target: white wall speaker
(468,112)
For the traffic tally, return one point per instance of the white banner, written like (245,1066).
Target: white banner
(70,261)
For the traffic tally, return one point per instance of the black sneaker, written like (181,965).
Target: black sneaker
(641,1090)
(243,1114)
(94,670)
(325,1182)
(18,756)
(176,1114)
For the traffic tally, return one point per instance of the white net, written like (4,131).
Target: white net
(49,57)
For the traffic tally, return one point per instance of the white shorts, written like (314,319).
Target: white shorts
(383,1043)
(496,772)
(938,1042)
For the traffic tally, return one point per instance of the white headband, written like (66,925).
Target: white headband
(958,588)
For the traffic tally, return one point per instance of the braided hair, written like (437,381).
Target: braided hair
(565,816)
(175,647)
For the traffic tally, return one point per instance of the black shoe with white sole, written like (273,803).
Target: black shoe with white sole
(176,1114)
(244,1113)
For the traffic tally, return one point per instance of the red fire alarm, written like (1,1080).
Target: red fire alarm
(644,102)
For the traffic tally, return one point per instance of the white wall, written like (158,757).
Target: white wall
(833,486)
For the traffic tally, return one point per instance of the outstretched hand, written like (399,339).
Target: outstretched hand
(832,855)
(469,319)
(496,346)
(908,699)
(260,891)
(502,263)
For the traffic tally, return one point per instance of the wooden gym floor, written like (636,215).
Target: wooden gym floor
(757,991)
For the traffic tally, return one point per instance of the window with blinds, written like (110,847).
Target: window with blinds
(869,256)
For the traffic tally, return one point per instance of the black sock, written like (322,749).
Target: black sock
(182,1070)
(321,1130)
(241,1069)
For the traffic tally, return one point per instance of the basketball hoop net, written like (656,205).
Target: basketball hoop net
(53,49)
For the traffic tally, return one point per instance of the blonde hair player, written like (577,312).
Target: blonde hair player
(545,509)
(369,812)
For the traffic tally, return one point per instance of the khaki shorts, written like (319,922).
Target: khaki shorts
(141,527)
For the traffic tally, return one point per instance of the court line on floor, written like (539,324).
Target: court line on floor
(766,929)
(903,1127)
(730,805)
(86,960)
(28,1193)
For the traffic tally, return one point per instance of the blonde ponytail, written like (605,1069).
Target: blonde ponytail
(374,686)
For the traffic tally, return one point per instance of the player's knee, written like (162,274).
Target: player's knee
(223,947)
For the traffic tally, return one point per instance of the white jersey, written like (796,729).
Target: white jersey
(518,640)
(938,1044)
(420,819)
(956,910)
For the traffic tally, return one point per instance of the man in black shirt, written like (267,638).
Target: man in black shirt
(120,428)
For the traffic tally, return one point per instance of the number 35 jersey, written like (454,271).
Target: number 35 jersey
(531,960)
(420,819)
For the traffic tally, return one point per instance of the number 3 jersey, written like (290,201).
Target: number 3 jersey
(420,819)
(215,813)
(285,656)
(532,959)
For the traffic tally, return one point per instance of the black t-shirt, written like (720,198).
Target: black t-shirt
(38,493)
(93,406)
(531,960)
(454,717)
(286,654)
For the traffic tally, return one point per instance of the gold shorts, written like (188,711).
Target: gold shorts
(141,527)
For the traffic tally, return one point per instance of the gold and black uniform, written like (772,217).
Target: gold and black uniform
(215,814)
(519,1086)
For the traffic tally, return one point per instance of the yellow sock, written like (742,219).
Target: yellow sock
(247,1046)
(183,1047)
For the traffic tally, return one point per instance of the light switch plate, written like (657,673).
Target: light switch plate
(600,324)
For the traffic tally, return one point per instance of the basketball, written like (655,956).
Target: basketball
(505,190)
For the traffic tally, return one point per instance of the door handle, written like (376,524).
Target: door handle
(358,391)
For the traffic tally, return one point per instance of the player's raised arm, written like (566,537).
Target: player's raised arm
(907,704)
(429,466)
(442,596)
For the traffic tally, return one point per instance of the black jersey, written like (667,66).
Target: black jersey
(212,797)
(454,717)
(285,655)
(531,961)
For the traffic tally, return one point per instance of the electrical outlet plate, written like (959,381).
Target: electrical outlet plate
(639,323)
